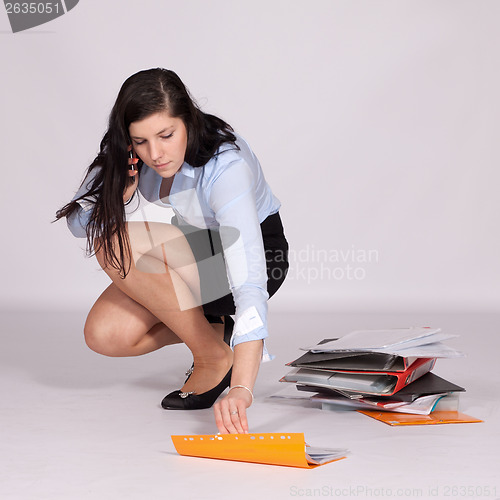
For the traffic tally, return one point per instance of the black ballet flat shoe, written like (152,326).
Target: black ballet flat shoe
(228,333)
(179,400)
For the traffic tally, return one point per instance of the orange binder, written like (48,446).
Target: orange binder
(287,449)
(436,417)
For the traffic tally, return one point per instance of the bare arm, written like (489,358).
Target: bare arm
(230,412)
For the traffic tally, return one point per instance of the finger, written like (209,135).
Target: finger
(218,419)
(226,417)
(242,413)
(229,423)
(222,418)
(133,161)
(235,419)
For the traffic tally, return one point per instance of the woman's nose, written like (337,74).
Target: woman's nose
(155,152)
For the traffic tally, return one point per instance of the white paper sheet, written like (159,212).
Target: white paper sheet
(362,340)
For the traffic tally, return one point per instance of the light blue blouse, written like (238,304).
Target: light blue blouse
(228,193)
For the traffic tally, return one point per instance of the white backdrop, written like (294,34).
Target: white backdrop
(376,124)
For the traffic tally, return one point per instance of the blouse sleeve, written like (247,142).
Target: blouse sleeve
(232,198)
(78,220)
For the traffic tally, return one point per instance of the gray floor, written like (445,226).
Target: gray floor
(76,425)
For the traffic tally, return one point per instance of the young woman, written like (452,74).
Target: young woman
(224,253)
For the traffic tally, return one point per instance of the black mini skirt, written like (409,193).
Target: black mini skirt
(206,243)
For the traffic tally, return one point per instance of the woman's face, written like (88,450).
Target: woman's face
(160,141)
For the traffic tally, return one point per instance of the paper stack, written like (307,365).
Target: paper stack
(382,370)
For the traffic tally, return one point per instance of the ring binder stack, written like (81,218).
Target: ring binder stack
(380,372)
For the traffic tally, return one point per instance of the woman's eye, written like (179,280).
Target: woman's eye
(139,143)
(167,136)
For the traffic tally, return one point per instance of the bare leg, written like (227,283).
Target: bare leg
(160,294)
(119,326)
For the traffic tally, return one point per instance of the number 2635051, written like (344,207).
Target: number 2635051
(33,8)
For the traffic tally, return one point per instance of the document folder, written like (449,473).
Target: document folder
(427,384)
(362,382)
(430,383)
(436,417)
(287,449)
(369,361)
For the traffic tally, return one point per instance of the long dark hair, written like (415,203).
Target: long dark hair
(141,95)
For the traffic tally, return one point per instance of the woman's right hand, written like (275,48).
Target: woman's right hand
(134,178)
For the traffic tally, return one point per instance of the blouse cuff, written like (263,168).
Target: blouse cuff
(258,334)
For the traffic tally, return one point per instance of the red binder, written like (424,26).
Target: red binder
(384,383)
(402,379)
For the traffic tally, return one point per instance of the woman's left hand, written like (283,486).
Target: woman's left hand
(230,412)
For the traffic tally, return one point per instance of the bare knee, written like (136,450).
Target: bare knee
(102,339)
(145,236)
(145,244)
(95,338)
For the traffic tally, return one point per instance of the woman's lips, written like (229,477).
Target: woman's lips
(163,165)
